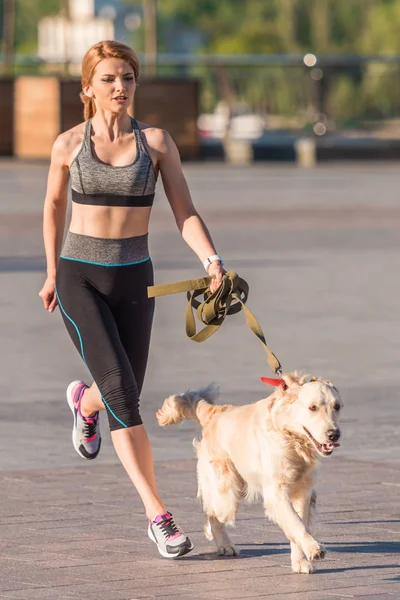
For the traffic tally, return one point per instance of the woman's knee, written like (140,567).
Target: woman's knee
(121,398)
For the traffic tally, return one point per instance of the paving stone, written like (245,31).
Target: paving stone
(40,594)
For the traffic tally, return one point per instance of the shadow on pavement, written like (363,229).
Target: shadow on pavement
(207,556)
(359,568)
(266,549)
(365,547)
(269,549)
(363,522)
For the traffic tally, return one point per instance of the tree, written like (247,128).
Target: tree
(28,14)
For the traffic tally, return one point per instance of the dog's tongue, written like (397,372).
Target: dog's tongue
(330,446)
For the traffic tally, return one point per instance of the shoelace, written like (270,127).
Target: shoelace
(89,429)
(168,527)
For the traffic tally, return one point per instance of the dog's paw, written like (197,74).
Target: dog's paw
(316,551)
(302,566)
(229,550)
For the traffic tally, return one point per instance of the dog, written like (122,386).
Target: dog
(268,449)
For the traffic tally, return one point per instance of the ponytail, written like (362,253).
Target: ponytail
(89,106)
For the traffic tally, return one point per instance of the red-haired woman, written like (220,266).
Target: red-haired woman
(99,278)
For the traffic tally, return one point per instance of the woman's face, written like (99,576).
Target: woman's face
(113,85)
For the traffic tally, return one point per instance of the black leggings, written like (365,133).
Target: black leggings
(109,317)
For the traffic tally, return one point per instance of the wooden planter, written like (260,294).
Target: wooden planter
(44,107)
(6,116)
(173,105)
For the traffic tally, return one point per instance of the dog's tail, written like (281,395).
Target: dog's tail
(196,406)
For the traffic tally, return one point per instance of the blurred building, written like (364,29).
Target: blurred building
(65,38)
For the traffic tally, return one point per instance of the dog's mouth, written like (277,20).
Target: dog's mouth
(323,449)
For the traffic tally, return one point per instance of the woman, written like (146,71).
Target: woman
(100,278)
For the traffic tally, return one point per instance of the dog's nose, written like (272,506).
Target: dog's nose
(333,435)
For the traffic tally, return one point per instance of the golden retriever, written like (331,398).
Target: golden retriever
(268,449)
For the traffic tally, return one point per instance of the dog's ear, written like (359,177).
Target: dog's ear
(290,379)
(274,382)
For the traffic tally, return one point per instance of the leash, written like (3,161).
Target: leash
(229,299)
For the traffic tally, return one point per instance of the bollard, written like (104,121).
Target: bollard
(306,153)
(238,152)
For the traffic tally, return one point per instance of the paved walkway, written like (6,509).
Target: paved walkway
(320,250)
(80,533)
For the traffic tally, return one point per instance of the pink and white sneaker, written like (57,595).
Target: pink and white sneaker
(86,436)
(171,541)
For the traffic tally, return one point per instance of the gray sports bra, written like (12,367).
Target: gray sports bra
(95,182)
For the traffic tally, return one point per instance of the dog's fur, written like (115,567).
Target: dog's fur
(268,449)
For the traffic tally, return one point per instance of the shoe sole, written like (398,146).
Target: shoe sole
(72,407)
(183,550)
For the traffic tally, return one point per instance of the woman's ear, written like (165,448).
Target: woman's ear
(88,91)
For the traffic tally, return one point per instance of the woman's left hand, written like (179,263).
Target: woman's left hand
(216,270)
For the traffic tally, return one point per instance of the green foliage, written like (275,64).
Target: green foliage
(28,14)
(275,26)
(381,34)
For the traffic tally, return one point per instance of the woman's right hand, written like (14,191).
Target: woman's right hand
(48,294)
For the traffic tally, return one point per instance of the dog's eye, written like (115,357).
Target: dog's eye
(336,407)
(313,407)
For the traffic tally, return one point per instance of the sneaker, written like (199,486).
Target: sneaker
(86,436)
(171,541)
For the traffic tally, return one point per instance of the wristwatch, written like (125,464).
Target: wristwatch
(211,259)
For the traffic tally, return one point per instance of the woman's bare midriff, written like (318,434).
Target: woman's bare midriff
(112,222)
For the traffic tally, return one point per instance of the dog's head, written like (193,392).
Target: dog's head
(309,409)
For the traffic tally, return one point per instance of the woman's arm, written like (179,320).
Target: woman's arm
(188,220)
(55,206)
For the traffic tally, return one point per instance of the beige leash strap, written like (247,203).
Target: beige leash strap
(153,291)
(230,298)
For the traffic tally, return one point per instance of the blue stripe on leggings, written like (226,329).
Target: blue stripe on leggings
(91,262)
(83,356)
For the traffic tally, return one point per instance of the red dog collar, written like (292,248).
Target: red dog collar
(274,382)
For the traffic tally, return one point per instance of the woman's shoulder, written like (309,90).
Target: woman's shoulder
(158,139)
(68,142)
